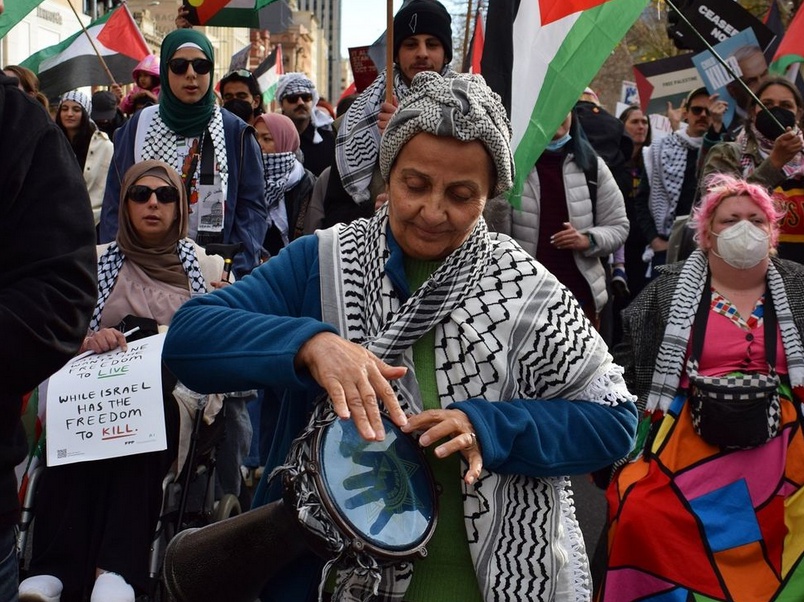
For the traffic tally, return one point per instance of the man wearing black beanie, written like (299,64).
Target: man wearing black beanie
(422,38)
(422,42)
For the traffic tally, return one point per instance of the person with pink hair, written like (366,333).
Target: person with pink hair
(712,348)
(288,185)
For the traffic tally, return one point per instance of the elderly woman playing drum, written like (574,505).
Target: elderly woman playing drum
(419,321)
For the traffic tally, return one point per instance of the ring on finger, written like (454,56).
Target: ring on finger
(474,440)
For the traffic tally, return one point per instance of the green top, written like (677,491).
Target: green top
(447,573)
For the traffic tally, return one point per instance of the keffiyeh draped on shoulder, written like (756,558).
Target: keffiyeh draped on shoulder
(501,324)
(358,143)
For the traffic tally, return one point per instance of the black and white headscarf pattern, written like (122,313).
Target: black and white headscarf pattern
(357,146)
(687,297)
(111,260)
(465,109)
(669,160)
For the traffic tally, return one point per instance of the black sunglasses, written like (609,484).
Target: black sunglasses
(164,194)
(200,66)
(294,98)
(697,111)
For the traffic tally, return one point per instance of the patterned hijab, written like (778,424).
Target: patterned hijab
(462,107)
(161,261)
(189,120)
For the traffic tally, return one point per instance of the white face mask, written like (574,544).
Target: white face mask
(742,245)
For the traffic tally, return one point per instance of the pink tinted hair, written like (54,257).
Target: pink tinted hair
(283,131)
(721,187)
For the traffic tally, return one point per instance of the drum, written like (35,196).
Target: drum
(360,497)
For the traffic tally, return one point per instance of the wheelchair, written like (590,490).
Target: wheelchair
(188,498)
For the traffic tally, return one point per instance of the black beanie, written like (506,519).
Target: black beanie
(424,17)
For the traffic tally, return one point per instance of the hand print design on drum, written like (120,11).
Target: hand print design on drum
(383,490)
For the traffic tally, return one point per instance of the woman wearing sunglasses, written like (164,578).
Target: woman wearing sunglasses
(95,520)
(213,151)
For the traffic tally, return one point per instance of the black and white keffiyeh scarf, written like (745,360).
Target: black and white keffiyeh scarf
(505,329)
(279,170)
(687,297)
(669,159)
(358,143)
(154,140)
(111,260)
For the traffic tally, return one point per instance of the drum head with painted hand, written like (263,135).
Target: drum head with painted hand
(382,490)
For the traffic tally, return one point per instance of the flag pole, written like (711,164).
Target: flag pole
(466,36)
(92,43)
(723,63)
(389,51)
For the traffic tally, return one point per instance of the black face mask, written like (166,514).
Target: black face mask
(241,108)
(768,127)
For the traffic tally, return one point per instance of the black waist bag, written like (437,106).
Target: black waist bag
(739,411)
(735,412)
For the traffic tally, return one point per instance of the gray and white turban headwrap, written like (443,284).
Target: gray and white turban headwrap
(80,98)
(461,107)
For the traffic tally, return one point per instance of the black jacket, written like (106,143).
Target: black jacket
(48,269)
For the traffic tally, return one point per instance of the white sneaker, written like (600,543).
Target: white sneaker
(41,588)
(111,587)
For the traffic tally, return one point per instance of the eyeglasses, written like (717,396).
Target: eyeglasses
(164,194)
(294,98)
(200,66)
(698,111)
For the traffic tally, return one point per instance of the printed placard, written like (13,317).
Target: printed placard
(107,405)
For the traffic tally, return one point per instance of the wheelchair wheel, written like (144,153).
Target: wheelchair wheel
(227,507)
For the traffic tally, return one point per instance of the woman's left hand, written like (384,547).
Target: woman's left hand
(452,424)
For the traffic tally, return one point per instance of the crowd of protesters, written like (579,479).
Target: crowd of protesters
(651,233)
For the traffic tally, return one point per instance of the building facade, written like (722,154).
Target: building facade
(328,14)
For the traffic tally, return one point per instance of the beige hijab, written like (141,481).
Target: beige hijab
(160,261)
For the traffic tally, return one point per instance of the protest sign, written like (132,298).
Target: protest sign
(363,68)
(665,80)
(715,76)
(107,405)
(716,21)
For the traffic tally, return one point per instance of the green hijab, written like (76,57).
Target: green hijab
(185,119)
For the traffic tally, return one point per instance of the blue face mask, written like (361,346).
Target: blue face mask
(556,145)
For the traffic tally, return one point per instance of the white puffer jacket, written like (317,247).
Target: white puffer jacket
(609,230)
(96,168)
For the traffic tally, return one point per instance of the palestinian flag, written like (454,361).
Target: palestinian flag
(225,13)
(471,62)
(15,11)
(552,49)
(74,63)
(791,49)
(268,72)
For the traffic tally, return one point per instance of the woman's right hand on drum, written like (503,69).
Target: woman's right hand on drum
(354,378)
(104,340)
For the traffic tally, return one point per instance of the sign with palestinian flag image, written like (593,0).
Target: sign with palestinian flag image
(74,63)
(539,55)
